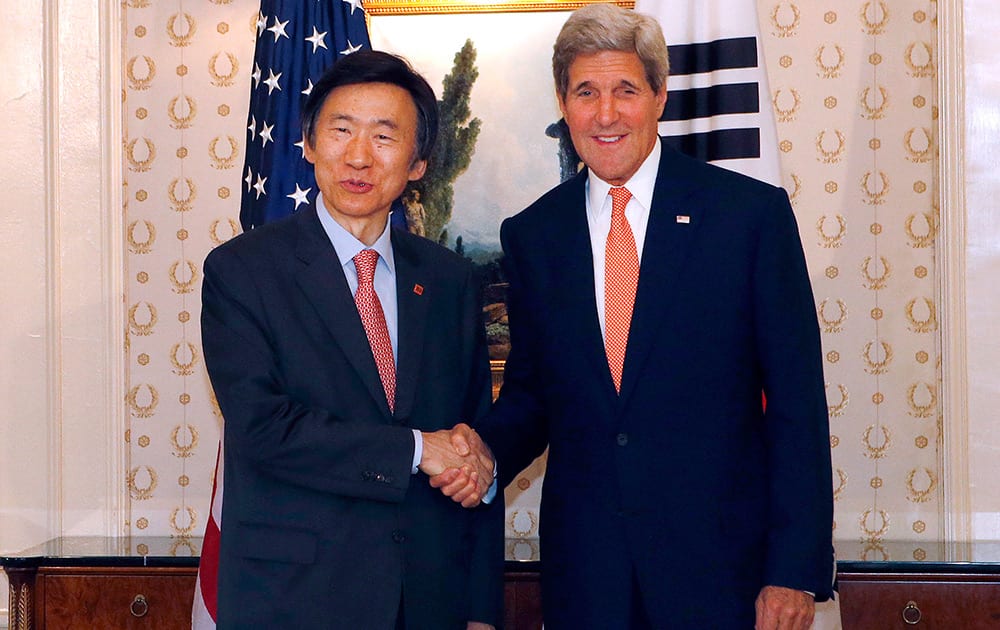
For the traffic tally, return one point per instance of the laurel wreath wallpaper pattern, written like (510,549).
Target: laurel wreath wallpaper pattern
(853,87)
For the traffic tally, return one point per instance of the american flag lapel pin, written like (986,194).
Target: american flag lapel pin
(683,218)
(418,289)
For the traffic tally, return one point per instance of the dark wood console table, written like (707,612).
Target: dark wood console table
(144,582)
(148,582)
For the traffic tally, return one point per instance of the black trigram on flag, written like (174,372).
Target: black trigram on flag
(718,100)
(714,100)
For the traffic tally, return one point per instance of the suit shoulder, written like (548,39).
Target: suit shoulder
(564,197)
(263,236)
(693,169)
(440,257)
(260,243)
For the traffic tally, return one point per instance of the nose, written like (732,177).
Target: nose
(358,152)
(607,110)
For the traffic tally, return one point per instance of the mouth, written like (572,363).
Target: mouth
(355,185)
(608,139)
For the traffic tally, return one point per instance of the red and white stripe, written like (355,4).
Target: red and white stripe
(206,591)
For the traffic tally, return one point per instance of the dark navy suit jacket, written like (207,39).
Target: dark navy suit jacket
(323,524)
(681,481)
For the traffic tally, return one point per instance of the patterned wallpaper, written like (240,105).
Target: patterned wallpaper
(854,94)
(854,90)
(186,93)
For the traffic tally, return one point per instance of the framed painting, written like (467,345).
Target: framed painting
(502,143)
(417,7)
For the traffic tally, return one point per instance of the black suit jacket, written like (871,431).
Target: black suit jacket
(681,481)
(323,524)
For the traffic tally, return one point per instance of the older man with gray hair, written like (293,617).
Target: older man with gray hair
(652,299)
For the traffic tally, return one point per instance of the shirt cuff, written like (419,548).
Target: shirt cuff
(418,451)
(494,488)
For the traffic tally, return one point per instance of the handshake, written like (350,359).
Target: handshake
(459,463)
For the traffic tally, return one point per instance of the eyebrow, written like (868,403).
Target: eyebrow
(622,83)
(379,122)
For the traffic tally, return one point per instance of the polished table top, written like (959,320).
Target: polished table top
(522,554)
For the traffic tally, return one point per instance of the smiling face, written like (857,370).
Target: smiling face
(612,113)
(364,152)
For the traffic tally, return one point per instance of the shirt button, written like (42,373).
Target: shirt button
(398,536)
(622,439)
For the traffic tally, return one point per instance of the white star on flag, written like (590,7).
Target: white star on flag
(278,29)
(265,133)
(272,81)
(317,39)
(350,48)
(259,186)
(300,196)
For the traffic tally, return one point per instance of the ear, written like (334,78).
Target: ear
(308,152)
(562,104)
(661,96)
(417,170)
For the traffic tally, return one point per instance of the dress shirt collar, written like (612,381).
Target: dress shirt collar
(640,185)
(347,246)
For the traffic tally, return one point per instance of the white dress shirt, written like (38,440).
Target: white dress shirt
(597,192)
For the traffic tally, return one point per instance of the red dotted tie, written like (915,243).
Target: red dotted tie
(621,275)
(373,318)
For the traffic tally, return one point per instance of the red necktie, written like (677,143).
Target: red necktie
(373,318)
(621,275)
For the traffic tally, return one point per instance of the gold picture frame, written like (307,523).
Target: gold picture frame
(418,7)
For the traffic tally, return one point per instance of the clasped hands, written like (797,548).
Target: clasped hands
(459,463)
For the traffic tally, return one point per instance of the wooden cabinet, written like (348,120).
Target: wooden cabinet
(148,583)
(112,598)
(932,601)
(522,600)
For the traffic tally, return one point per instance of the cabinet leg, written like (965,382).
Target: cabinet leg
(22,604)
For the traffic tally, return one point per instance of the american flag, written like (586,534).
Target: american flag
(296,41)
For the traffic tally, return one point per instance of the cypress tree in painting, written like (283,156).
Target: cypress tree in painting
(455,146)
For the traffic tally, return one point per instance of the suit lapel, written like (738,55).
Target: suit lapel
(571,252)
(669,239)
(412,297)
(322,280)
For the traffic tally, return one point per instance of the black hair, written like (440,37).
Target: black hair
(373,66)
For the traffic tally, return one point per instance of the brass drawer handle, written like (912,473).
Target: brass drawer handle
(139,606)
(911,614)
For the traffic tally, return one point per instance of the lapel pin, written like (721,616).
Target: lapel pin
(683,218)
(418,289)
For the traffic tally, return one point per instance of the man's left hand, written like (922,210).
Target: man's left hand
(780,608)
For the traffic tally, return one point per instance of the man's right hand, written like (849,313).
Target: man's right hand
(459,463)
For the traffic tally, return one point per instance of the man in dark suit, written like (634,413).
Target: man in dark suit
(652,299)
(340,351)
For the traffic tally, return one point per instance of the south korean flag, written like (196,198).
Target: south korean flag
(718,102)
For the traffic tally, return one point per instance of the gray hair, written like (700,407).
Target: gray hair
(607,27)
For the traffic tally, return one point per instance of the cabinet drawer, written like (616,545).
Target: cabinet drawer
(964,604)
(71,600)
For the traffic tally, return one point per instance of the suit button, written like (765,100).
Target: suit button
(622,439)
(398,536)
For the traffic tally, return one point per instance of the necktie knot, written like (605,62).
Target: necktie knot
(619,199)
(365,263)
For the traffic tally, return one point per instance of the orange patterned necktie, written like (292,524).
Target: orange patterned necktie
(373,318)
(621,275)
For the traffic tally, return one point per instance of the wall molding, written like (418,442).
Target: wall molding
(113,263)
(53,268)
(951,266)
